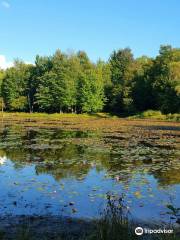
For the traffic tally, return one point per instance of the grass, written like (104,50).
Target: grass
(55,115)
(151,114)
(82,122)
(114,222)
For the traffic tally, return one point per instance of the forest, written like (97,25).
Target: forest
(71,82)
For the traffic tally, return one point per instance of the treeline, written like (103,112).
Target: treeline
(72,83)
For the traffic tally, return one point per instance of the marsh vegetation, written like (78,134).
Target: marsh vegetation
(64,167)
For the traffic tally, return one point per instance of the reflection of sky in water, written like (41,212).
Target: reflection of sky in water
(3,160)
(23,191)
(45,171)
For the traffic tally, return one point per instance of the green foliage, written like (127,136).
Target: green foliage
(165,74)
(91,95)
(14,86)
(19,104)
(72,83)
(1,81)
(142,92)
(152,114)
(45,98)
(122,67)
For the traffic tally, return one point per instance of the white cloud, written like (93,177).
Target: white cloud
(4,63)
(5,4)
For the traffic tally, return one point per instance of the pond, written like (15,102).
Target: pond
(53,171)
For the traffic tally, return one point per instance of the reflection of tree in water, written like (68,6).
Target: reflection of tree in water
(52,152)
(168,177)
(72,161)
(64,162)
(39,146)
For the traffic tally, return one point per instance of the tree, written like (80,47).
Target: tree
(31,87)
(1,97)
(122,67)
(14,86)
(19,103)
(45,97)
(166,79)
(57,88)
(67,68)
(142,90)
(42,66)
(90,91)
(73,83)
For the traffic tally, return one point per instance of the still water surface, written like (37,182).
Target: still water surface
(59,172)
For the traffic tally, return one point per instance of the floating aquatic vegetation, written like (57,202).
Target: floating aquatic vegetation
(73,168)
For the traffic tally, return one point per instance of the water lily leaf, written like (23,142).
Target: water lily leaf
(138,194)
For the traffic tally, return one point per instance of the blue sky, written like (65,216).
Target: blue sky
(40,27)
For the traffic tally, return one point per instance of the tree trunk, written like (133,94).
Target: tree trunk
(2,106)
